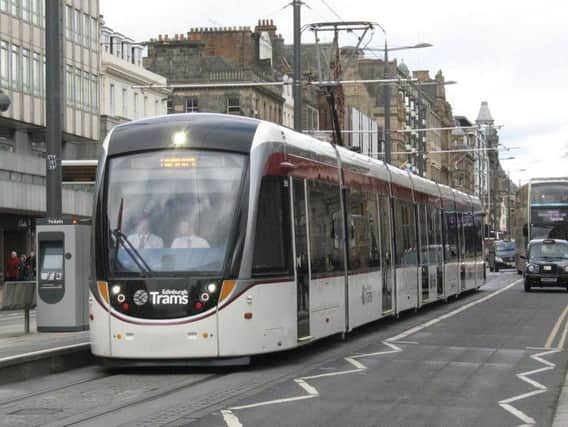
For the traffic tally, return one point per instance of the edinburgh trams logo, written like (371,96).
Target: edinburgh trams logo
(140,297)
(165,296)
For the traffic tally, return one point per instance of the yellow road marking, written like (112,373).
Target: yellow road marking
(563,339)
(554,331)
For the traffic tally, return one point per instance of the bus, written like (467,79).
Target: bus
(542,213)
(217,238)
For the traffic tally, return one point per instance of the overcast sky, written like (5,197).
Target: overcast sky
(512,54)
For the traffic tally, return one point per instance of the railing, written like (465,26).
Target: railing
(19,296)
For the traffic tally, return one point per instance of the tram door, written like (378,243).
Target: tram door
(386,253)
(302,259)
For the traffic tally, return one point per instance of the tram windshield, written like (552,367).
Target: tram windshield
(171,211)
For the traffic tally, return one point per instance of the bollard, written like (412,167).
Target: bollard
(27,319)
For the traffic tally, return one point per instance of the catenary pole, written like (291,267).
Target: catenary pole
(54,110)
(297,88)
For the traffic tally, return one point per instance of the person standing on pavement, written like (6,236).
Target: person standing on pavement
(32,266)
(12,267)
(24,271)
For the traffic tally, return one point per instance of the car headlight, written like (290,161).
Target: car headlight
(532,268)
(566,269)
(498,259)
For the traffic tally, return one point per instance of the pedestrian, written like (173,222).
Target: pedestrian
(23,268)
(12,267)
(32,265)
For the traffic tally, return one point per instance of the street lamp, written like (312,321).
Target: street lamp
(387,95)
(4,101)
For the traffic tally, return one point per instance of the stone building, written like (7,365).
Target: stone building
(413,106)
(210,60)
(462,164)
(121,71)
(23,125)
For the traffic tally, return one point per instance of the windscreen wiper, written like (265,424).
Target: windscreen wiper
(128,246)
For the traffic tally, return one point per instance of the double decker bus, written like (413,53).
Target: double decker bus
(542,214)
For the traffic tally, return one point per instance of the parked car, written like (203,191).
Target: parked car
(501,255)
(547,263)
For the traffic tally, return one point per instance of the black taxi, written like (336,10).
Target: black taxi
(547,264)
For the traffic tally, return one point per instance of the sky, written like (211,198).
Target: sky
(512,54)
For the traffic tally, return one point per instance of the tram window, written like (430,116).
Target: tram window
(423,225)
(434,237)
(326,229)
(272,237)
(451,244)
(373,219)
(405,234)
(359,231)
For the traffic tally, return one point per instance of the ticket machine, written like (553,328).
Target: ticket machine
(63,266)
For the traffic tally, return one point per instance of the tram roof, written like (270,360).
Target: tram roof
(199,130)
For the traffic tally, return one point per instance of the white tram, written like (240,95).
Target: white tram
(219,237)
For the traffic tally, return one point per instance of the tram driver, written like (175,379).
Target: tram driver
(187,238)
(143,238)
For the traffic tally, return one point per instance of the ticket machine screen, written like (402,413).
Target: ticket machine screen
(51,261)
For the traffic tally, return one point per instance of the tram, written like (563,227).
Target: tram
(219,237)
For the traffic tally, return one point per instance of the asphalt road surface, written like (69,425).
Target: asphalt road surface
(489,358)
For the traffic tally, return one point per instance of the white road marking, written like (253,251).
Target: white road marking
(438,319)
(232,420)
(563,338)
(555,329)
(540,388)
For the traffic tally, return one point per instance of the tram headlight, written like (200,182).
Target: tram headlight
(532,268)
(566,269)
(498,259)
(211,288)
(179,138)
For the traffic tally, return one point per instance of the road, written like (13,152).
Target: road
(477,360)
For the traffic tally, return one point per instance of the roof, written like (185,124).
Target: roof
(484,115)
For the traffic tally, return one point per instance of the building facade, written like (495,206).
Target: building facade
(462,162)
(23,125)
(121,73)
(206,61)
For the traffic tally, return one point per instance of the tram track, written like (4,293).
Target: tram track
(174,401)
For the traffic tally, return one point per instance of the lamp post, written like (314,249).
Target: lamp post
(387,95)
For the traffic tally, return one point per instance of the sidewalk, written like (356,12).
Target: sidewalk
(25,356)
(561,414)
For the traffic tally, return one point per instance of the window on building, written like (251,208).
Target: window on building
(36,73)
(86,91)
(69,83)
(124,103)
(4,64)
(36,12)
(14,7)
(191,105)
(94,92)
(94,33)
(112,100)
(26,10)
(15,67)
(135,105)
(146,112)
(86,30)
(77,25)
(170,107)
(26,64)
(78,100)
(3,5)
(233,105)
(68,22)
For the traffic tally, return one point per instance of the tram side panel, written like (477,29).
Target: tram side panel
(99,323)
(261,319)
(365,281)
(451,262)
(406,255)
(327,303)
